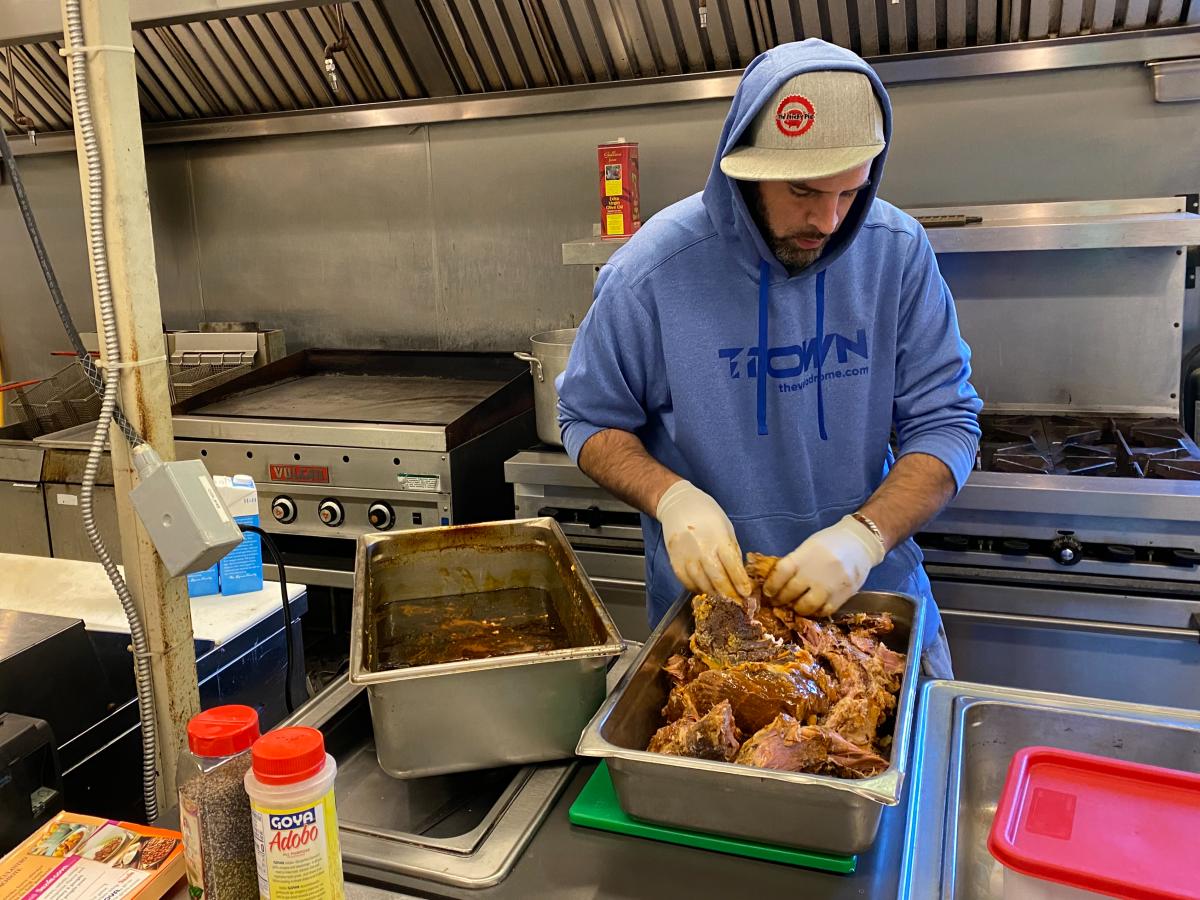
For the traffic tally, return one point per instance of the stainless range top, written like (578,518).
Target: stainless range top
(1091,493)
(1096,495)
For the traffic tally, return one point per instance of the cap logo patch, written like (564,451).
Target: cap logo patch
(794,116)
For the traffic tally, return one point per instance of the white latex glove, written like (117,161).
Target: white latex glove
(700,541)
(821,574)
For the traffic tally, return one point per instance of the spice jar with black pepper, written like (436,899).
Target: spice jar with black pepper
(214,809)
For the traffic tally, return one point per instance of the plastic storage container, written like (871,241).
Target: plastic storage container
(214,810)
(292,810)
(1074,825)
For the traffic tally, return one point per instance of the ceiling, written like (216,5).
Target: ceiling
(267,62)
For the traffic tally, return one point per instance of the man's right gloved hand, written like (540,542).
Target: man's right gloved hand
(701,543)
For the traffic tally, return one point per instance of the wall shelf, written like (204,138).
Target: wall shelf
(1081,225)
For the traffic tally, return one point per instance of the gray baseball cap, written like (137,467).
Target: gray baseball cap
(818,124)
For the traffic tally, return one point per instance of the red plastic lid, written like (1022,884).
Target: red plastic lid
(288,755)
(1115,828)
(222,731)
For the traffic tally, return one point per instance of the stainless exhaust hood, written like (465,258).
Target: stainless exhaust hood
(213,59)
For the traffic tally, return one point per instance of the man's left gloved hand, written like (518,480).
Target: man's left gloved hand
(826,570)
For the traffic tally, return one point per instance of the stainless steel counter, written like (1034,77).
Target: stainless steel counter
(966,738)
(566,862)
(456,836)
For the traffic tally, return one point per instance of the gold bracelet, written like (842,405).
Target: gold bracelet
(872,527)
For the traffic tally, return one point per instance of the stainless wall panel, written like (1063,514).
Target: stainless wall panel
(1083,330)
(507,193)
(326,236)
(1078,134)
(180,287)
(29,327)
(370,238)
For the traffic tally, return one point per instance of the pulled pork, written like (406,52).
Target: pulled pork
(762,686)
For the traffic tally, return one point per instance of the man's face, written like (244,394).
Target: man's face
(797,218)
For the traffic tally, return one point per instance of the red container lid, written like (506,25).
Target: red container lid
(288,755)
(222,731)
(1116,828)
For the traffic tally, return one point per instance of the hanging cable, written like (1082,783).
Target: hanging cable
(277,558)
(107,326)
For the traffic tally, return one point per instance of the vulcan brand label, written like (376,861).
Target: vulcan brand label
(794,116)
(300,474)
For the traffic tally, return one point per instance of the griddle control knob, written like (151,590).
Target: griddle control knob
(381,515)
(284,510)
(1065,549)
(331,513)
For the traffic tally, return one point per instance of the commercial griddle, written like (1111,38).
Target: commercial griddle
(349,442)
(461,395)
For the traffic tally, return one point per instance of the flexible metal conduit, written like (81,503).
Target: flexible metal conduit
(112,354)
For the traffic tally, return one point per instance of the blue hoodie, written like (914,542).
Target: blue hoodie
(862,341)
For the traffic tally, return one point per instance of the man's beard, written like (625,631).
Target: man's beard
(783,246)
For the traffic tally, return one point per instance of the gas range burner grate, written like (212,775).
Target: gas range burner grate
(1087,446)
(1178,469)
(1069,430)
(1013,431)
(1013,444)
(1033,463)
(1156,440)
(1086,459)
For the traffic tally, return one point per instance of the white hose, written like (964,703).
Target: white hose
(112,354)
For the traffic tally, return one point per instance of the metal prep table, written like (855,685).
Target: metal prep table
(566,862)
(465,831)
(240,658)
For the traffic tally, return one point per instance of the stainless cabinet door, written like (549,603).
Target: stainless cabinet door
(67,538)
(24,528)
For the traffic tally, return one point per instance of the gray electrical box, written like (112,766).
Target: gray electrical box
(180,509)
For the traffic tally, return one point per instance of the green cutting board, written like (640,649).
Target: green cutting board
(597,807)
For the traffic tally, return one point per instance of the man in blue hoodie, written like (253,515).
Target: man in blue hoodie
(671,402)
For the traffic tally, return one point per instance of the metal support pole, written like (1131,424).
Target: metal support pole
(145,397)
